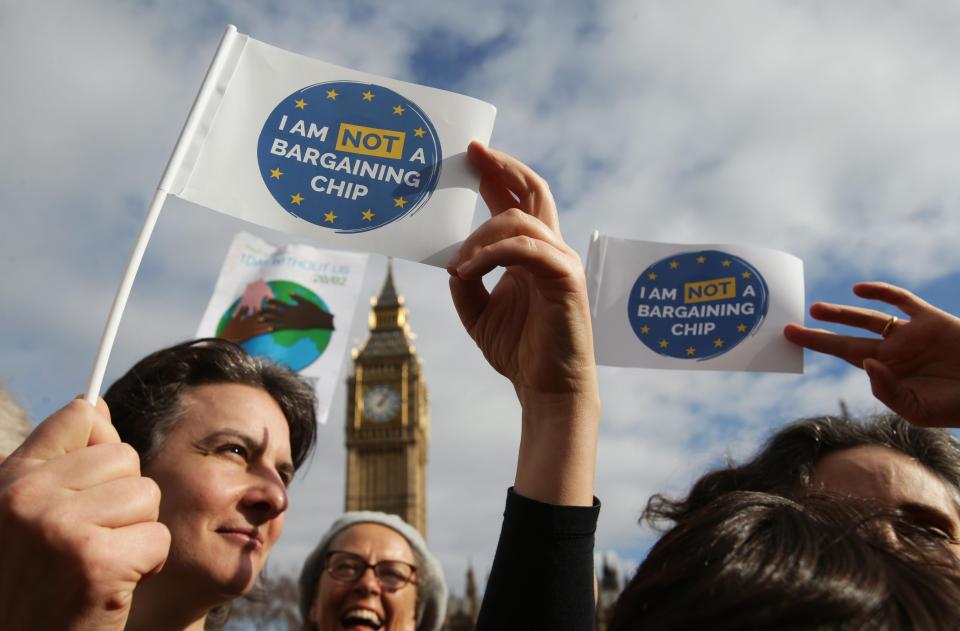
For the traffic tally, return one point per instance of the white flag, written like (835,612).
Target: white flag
(694,307)
(291,304)
(349,159)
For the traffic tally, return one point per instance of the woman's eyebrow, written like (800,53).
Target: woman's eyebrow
(249,442)
(930,514)
(232,434)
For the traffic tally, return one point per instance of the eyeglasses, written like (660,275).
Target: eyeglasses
(348,567)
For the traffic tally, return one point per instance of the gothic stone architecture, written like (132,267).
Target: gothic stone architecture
(388,423)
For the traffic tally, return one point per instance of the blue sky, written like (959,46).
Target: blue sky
(828,130)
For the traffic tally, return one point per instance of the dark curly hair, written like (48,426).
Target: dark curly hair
(751,560)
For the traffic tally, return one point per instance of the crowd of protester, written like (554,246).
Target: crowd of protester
(159,505)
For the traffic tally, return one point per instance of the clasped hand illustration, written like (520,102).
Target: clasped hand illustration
(275,315)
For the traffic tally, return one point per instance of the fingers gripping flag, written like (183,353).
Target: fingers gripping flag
(346,158)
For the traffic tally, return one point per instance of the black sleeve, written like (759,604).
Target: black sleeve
(542,575)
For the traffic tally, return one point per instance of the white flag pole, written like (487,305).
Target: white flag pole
(136,256)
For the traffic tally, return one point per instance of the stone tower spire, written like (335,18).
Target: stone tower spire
(388,423)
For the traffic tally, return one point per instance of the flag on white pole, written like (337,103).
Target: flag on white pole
(348,159)
(291,304)
(694,307)
(345,158)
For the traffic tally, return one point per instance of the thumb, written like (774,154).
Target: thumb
(470,298)
(72,427)
(103,430)
(887,389)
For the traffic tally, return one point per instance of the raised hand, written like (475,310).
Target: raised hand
(534,326)
(78,527)
(302,314)
(244,325)
(914,368)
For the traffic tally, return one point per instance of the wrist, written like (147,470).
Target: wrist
(558,445)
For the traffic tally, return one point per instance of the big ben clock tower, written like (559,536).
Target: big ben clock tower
(388,424)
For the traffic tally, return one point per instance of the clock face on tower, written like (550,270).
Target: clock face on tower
(381,403)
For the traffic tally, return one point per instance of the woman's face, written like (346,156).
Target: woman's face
(222,472)
(363,604)
(895,480)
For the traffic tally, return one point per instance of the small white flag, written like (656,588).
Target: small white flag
(348,159)
(694,307)
(291,304)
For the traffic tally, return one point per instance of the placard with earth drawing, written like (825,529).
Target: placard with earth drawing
(292,304)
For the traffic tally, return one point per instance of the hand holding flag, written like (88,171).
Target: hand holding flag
(79,525)
(534,327)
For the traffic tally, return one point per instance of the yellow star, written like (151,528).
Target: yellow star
(367,96)
(332,94)
(726,262)
(399,201)
(300,104)
(296,199)
(741,328)
(674,265)
(644,329)
(276,173)
(664,343)
(419,132)
(691,351)
(718,343)
(398,109)
(746,274)
(367,215)
(652,276)
(701,259)
(329,217)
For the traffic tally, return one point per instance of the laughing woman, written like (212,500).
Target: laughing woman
(404,590)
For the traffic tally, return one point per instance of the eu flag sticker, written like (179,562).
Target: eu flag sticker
(697,305)
(349,156)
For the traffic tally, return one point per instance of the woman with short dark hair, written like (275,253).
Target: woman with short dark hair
(222,433)
(195,504)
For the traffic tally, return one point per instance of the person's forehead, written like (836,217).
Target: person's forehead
(374,541)
(884,474)
(245,409)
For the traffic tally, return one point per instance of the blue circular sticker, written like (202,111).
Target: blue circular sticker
(697,305)
(349,156)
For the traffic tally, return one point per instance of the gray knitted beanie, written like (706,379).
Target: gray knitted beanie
(431,587)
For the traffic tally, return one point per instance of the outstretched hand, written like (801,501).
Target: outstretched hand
(914,369)
(533,327)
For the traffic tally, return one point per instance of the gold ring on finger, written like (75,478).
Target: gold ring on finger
(888,326)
